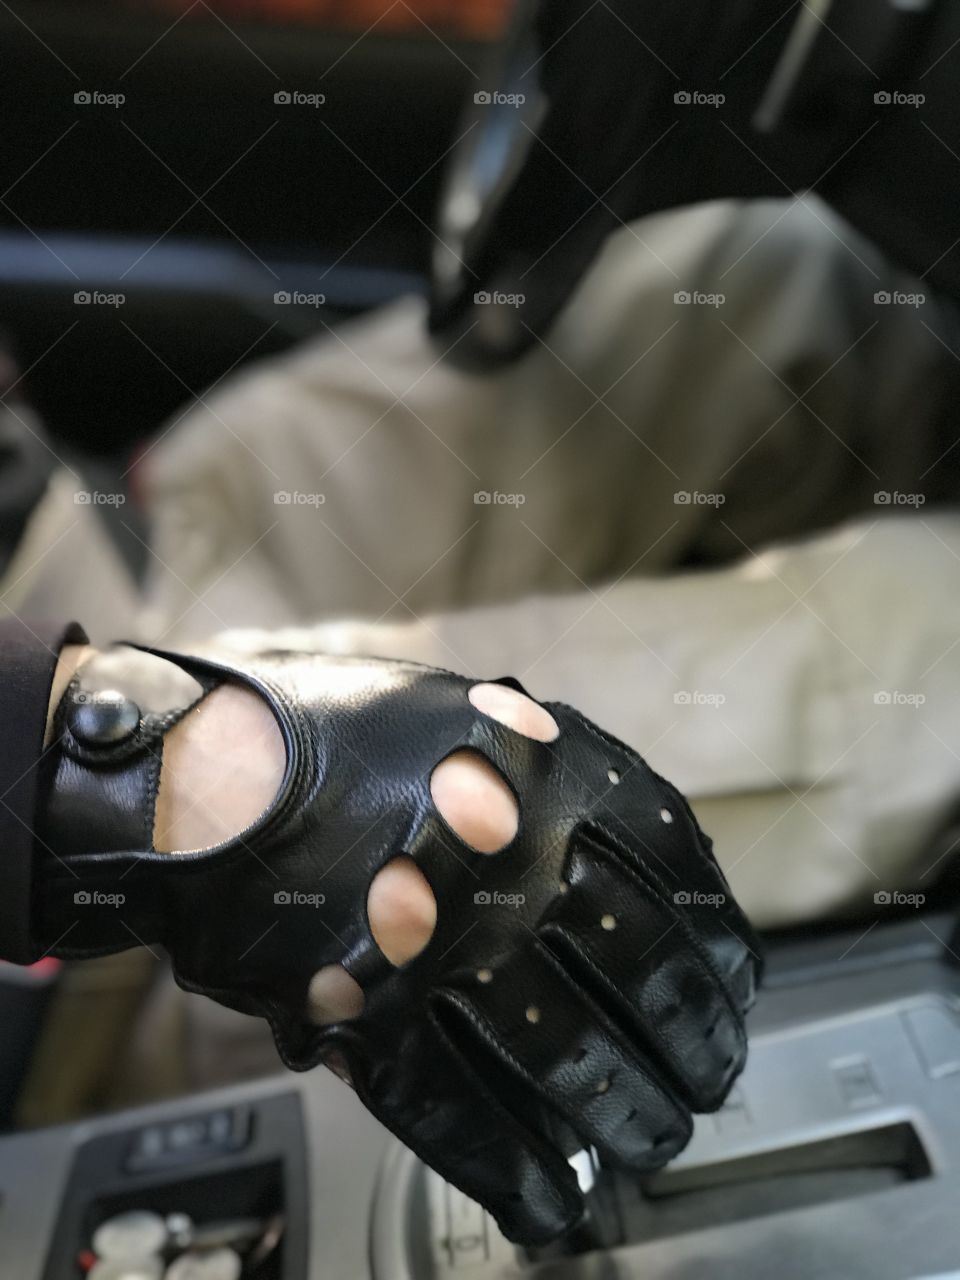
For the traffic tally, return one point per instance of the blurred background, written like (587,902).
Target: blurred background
(612,347)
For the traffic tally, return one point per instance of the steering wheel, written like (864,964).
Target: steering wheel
(589,118)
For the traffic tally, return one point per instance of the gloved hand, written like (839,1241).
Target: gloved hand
(594,972)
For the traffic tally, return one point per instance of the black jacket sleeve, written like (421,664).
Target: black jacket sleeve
(28,659)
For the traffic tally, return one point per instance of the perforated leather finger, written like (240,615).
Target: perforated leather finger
(646,966)
(461,1126)
(535,1020)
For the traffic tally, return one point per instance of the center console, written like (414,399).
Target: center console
(837,1157)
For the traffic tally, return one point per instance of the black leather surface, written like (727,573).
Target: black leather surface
(594,972)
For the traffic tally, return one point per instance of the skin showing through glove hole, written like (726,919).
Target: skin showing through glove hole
(477,804)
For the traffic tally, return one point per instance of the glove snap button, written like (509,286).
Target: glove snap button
(103,719)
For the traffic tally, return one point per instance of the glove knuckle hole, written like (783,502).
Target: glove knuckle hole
(515,710)
(666,815)
(613,776)
(475,801)
(401,910)
(333,995)
(608,922)
(532,1014)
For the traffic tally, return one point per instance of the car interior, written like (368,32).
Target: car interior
(837,1156)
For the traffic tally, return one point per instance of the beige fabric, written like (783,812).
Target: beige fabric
(389,444)
(66,566)
(761,690)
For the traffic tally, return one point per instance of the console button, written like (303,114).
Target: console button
(192,1138)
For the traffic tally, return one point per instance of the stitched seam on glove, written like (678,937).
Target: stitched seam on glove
(494,1039)
(653,895)
(657,1059)
(692,937)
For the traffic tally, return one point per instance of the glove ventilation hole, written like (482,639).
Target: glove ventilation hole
(613,775)
(475,801)
(603,1086)
(666,815)
(333,996)
(401,909)
(533,1014)
(484,976)
(608,922)
(516,710)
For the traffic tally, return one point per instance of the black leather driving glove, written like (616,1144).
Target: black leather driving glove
(593,974)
